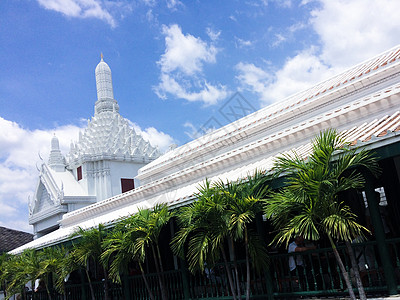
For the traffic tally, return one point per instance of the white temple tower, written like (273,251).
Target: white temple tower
(101,164)
(105,95)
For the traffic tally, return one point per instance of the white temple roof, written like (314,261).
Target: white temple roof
(110,136)
(68,183)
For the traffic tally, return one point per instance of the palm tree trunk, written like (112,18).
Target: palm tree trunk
(246,242)
(159,259)
(145,282)
(47,289)
(342,269)
(161,268)
(160,281)
(23,292)
(239,293)
(32,288)
(228,272)
(65,292)
(90,284)
(105,283)
(354,265)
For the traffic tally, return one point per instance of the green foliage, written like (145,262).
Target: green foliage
(88,244)
(221,212)
(120,250)
(133,237)
(309,204)
(31,264)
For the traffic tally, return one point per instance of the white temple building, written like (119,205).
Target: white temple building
(101,164)
(363,103)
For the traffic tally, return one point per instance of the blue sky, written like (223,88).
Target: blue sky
(174,65)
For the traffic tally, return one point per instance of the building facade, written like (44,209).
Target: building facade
(363,103)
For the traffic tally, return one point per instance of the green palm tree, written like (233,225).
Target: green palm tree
(203,230)
(18,270)
(222,212)
(30,259)
(89,246)
(58,262)
(4,258)
(13,276)
(145,226)
(309,204)
(51,260)
(244,200)
(120,250)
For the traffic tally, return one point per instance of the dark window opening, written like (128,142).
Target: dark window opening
(127,184)
(79,173)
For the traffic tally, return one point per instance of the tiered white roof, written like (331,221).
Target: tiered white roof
(110,136)
(363,103)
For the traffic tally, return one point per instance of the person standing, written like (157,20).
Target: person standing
(297,265)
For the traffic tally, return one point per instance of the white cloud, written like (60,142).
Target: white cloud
(213,35)
(285,3)
(352,31)
(253,77)
(18,174)
(156,138)
(173,4)
(298,73)
(296,27)
(96,9)
(195,133)
(150,3)
(182,68)
(279,39)
(349,32)
(209,94)
(185,53)
(233,18)
(240,43)
(151,18)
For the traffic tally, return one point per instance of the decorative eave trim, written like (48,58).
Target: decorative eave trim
(50,185)
(47,213)
(79,200)
(108,157)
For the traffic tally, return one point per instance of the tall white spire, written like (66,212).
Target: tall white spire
(56,159)
(105,95)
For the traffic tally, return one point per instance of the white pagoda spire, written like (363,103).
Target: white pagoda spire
(56,159)
(105,95)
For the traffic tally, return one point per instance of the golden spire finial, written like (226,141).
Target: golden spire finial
(101,55)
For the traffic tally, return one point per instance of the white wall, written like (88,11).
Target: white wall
(123,170)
